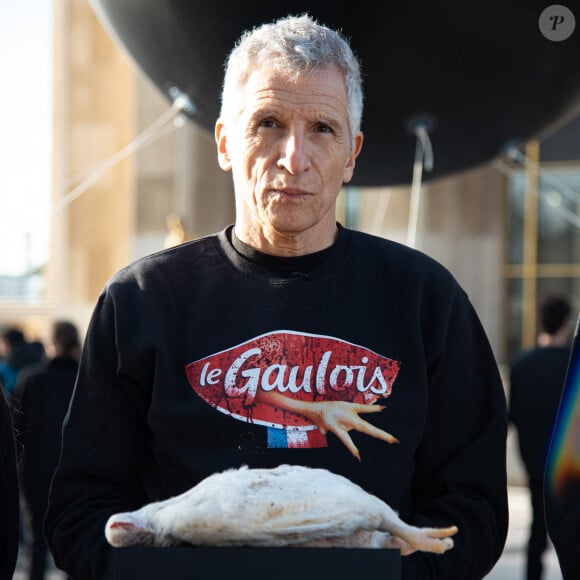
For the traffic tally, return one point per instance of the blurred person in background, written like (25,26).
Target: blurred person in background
(42,396)
(537,377)
(16,353)
(9,500)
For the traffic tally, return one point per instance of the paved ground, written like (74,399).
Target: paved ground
(510,567)
(21,571)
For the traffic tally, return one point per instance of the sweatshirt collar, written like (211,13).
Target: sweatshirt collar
(306,267)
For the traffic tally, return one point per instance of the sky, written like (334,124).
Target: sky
(25,134)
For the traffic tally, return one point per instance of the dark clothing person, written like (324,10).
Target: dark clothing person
(537,378)
(302,343)
(43,394)
(536,381)
(165,422)
(9,498)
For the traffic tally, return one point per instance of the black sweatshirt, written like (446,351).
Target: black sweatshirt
(184,344)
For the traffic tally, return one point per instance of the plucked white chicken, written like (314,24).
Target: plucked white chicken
(289,505)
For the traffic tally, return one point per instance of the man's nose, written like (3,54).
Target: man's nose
(294,156)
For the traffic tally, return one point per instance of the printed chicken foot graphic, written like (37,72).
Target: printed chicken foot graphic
(290,505)
(338,417)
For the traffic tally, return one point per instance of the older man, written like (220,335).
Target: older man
(287,338)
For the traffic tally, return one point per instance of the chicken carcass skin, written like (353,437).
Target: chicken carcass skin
(290,505)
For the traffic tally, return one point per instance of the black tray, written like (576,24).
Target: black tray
(193,563)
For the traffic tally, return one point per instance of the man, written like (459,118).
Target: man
(536,381)
(287,338)
(43,393)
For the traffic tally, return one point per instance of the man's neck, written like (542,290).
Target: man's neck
(559,338)
(286,244)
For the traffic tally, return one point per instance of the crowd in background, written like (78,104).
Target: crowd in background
(37,384)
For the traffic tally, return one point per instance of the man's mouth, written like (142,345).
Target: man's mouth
(291,193)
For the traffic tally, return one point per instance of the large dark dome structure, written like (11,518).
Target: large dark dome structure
(482,72)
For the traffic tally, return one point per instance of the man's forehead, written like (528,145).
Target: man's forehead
(322,75)
(324,85)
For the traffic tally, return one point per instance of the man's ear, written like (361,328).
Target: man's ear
(351,161)
(222,146)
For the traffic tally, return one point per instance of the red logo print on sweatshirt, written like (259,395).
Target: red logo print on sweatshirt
(303,384)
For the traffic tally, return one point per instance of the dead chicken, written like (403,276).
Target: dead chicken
(289,505)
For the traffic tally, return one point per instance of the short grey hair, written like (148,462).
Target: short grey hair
(293,45)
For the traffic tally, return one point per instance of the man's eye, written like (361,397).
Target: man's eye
(323,128)
(268,123)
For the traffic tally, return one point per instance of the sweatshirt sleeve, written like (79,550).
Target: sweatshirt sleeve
(461,464)
(104,436)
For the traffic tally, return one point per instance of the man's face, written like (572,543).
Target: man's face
(290,151)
